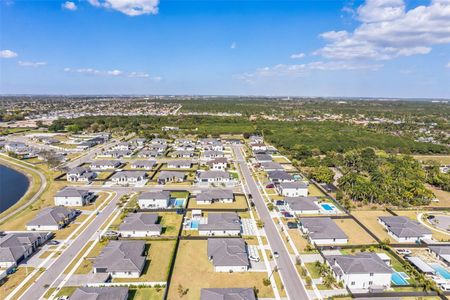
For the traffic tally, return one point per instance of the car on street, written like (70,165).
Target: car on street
(279,203)
(286,214)
(403,251)
(254,258)
(276,254)
(292,225)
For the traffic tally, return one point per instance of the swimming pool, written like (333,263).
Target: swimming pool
(398,279)
(194,224)
(179,202)
(443,272)
(327,206)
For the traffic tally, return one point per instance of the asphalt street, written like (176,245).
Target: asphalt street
(293,285)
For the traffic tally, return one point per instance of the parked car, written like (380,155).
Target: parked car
(253,258)
(270,186)
(286,214)
(53,242)
(292,225)
(279,202)
(403,251)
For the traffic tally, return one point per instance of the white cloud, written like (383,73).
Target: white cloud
(388,31)
(129,7)
(7,54)
(448,65)
(233,45)
(69,5)
(33,64)
(138,75)
(297,70)
(297,55)
(114,73)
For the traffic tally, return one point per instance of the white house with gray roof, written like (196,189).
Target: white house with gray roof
(69,196)
(271,166)
(404,230)
(221,224)
(441,252)
(292,189)
(107,164)
(121,259)
(147,153)
(215,195)
(218,164)
(360,271)
(212,154)
(17,246)
(138,225)
(227,293)
(179,164)
(210,177)
(154,200)
(322,231)
(100,293)
(52,218)
(126,177)
(302,205)
(143,164)
(228,254)
(183,153)
(171,176)
(81,174)
(280,176)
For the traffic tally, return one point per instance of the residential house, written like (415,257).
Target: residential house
(215,195)
(228,254)
(219,164)
(256,139)
(222,224)
(441,252)
(302,205)
(159,141)
(322,231)
(211,154)
(16,147)
(260,158)
(258,147)
(121,259)
(123,146)
(404,230)
(81,174)
(171,176)
(213,177)
(179,164)
(140,142)
(228,293)
(182,154)
(214,146)
(360,271)
(143,164)
(280,176)
(151,200)
(69,196)
(17,246)
(271,166)
(105,164)
(292,189)
(117,153)
(52,218)
(125,177)
(160,148)
(100,293)
(146,153)
(140,225)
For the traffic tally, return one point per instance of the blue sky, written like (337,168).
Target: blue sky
(377,48)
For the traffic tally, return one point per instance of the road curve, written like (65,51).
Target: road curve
(35,196)
(292,283)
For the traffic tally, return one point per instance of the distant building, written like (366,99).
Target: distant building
(404,230)
(152,200)
(218,164)
(215,195)
(126,177)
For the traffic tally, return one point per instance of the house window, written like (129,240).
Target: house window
(371,274)
(352,283)
(370,282)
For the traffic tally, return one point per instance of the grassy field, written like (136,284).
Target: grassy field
(15,279)
(171,223)
(299,241)
(356,234)
(158,262)
(369,219)
(442,159)
(145,294)
(443,196)
(239,203)
(314,191)
(194,271)
(86,265)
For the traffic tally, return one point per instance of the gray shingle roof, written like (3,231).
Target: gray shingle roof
(214,194)
(14,245)
(164,195)
(280,175)
(227,294)
(228,251)
(322,228)
(171,174)
(294,185)
(301,203)
(51,216)
(263,157)
(440,250)
(144,163)
(122,256)
(270,165)
(404,226)
(140,222)
(71,192)
(213,174)
(100,293)
(106,163)
(180,163)
(361,263)
(222,221)
(129,174)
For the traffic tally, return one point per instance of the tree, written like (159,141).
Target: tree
(182,291)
